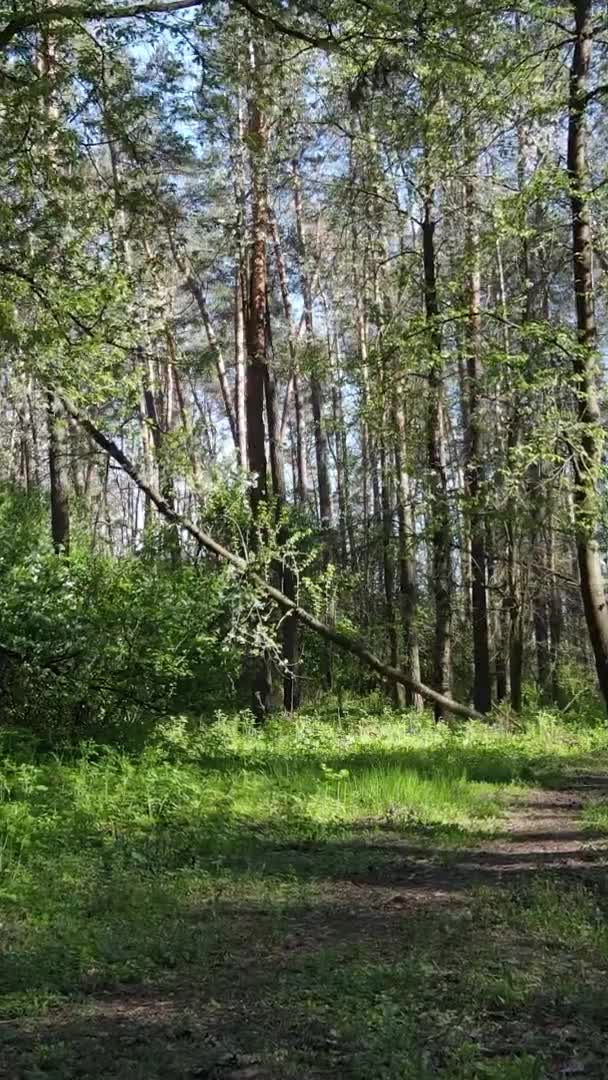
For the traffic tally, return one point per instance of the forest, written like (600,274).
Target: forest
(303,539)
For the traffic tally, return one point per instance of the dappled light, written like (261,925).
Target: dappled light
(251,903)
(303,540)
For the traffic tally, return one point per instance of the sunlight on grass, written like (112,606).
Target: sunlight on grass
(213,843)
(595,817)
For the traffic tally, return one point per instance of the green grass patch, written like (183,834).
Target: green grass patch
(263,873)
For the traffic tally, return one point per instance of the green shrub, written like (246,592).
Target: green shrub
(104,646)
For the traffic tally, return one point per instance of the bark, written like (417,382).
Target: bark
(353,645)
(587,456)
(275,448)
(408,591)
(343,476)
(474,470)
(256,336)
(518,568)
(514,605)
(25,450)
(240,371)
(370,496)
(240,297)
(181,404)
(388,572)
(256,322)
(316,384)
(60,508)
(156,428)
(439,515)
(31,411)
(556,617)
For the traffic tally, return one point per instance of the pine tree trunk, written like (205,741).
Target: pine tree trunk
(240,289)
(240,370)
(256,349)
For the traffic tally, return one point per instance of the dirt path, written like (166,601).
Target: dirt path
(542,834)
(545,835)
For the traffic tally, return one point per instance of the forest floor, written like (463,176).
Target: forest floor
(393,947)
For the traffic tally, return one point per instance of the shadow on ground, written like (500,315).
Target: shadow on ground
(381,954)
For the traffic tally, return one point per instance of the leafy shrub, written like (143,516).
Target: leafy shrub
(94,645)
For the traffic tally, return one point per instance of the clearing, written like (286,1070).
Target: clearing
(308,904)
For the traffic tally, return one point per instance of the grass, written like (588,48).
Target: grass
(286,896)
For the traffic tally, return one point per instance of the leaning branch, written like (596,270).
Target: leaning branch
(349,644)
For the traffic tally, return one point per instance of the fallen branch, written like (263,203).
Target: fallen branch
(349,644)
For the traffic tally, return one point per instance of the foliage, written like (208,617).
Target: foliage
(101,646)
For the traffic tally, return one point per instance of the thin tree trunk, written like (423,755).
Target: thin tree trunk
(439,515)
(257,345)
(474,473)
(198,293)
(154,417)
(388,572)
(343,463)
(302,487)
(316,384)
(407,561)
(556,618)
(60,509)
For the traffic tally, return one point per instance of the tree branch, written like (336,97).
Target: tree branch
(27,21)
(90,11)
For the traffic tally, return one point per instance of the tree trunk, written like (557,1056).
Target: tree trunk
(439,515)
(474,472)
(587,455)
(240,290)
(388,571)
(240,370)
(316,384)
(257,372)
(60,509)
(302,486)
(407,561)
(198,293)
(556,618)
(156,426)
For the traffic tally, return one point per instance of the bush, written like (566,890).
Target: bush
(102,646)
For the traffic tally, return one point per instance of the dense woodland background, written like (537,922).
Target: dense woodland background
(329,282)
